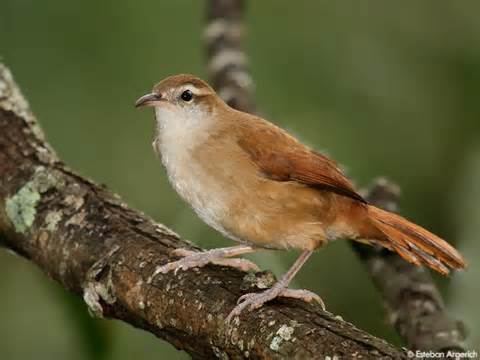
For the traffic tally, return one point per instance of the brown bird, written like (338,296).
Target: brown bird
(260,186)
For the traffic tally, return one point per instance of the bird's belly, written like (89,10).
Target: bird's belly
(248,209)
(201,190)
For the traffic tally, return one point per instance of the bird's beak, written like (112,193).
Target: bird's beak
(148,100)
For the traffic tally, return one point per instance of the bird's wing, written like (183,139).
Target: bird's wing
(281,157)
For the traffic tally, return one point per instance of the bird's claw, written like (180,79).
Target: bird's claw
(251,301)
(238,263)
(193,259)
(304,295)
(254,301)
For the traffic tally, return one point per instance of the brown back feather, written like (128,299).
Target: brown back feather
(281,157)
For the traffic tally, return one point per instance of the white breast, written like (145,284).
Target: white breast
(179,134)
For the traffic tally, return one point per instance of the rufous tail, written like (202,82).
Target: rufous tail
(414,243)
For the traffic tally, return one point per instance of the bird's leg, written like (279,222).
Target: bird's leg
(256,300)
(192,259)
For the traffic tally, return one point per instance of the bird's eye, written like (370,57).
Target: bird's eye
(187,95)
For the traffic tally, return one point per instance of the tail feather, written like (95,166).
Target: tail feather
(414,243)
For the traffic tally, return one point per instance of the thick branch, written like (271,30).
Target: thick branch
(88,240)
(412,300)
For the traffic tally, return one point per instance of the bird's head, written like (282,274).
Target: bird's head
(181,98)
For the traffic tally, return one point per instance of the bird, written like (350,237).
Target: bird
(261,187)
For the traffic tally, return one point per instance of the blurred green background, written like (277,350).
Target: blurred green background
(389,88)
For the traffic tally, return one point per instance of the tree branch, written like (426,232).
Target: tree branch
(413,302)
(94,245)
(227,62)
(414,305)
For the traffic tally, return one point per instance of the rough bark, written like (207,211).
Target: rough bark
(94,245)
(414,305)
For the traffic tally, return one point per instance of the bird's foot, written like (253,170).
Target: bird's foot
(254,301)
(192,259)
(304,295)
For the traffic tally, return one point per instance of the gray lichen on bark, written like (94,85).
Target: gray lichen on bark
(21,207)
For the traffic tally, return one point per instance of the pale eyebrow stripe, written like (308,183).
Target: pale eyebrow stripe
(193,89)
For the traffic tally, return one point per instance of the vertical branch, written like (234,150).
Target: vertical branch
(413,302)
(227,62)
